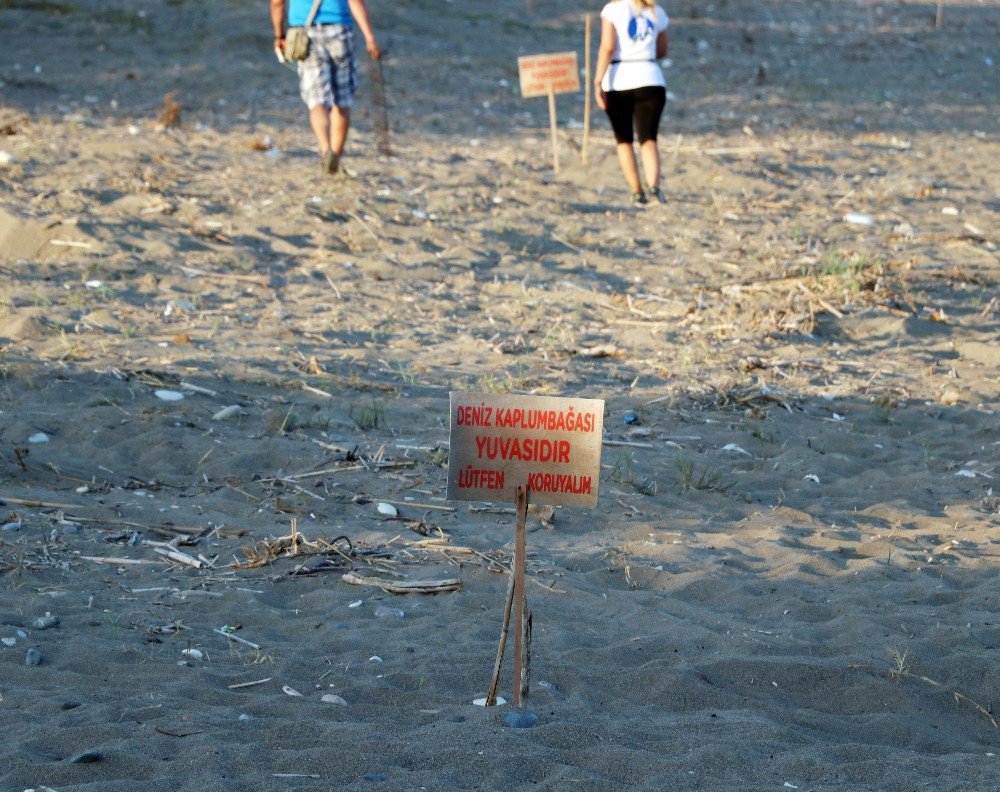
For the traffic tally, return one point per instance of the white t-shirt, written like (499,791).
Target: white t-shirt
(633,64)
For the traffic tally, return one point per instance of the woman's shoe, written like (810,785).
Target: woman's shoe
(639,198)
(657,193)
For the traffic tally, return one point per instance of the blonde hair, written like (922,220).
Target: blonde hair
(641,4)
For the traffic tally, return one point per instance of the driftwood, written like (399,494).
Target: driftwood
(404,586)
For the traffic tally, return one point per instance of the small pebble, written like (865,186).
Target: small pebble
(70,705)
(520,720)
(39,437)
(8,641)
(387,509)
(385,612)
(333,698)
(13,525)
(33,658)
(481,702)
(86,757)
(168,395)
(243,717)
(45,622)
(195,654)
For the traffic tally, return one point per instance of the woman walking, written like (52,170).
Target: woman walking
(630,88)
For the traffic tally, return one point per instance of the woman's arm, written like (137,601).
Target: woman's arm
(661,45)
(606,49)
(360,14)
(278,23)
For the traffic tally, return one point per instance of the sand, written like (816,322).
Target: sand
(791,581)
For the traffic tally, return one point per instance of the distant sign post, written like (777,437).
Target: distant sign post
(507,449)
(548,75)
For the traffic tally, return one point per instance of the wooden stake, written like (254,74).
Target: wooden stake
(380,108)
(586,91)
(525,651)
(520,598)
(552,127)
(491,697)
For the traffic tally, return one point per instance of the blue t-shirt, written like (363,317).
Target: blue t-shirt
(331,12)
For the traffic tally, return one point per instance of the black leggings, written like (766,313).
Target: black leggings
(643,105)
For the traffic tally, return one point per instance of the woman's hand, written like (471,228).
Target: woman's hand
(373,51)
(600,97)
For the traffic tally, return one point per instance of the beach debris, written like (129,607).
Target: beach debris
(811,477)
(602,351)
(736,449)
(631,417)
(229,632)
(33,657)
(254,683)
(170,114)
(179,557)
(13,525)
(387,509)
(966,473)
(375,659)
(333,698)
(45,622)
(8,641)
(39,437)
(194,654)
(385,612)
(788,785)
(227,412)
(404,586)
(290,691)
(168,395)
(858,218)
(86,757)
(949,210)
(355,604)
(951,396)
(481,702)
(520,720)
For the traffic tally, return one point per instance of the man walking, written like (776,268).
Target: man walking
(328,77)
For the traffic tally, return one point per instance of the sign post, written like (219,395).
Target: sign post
(509,448)
(587,91)
(548,75)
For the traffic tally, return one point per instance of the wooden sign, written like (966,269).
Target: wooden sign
(555,72)
(549,446)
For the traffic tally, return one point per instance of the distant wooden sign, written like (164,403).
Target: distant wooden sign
(555,72)
(549,446)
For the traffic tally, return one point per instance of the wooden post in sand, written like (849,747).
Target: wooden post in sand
(586,91)
(520,599)
(552,129)
(548,75)
(380,108)
(503,448)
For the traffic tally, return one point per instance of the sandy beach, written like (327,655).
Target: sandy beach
(219,368)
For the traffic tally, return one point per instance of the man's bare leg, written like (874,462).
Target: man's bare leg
(319,120)
(340,122)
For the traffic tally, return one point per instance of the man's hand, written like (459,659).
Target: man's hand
(373,51)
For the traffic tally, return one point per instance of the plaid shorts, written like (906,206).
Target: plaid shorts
(329,75)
